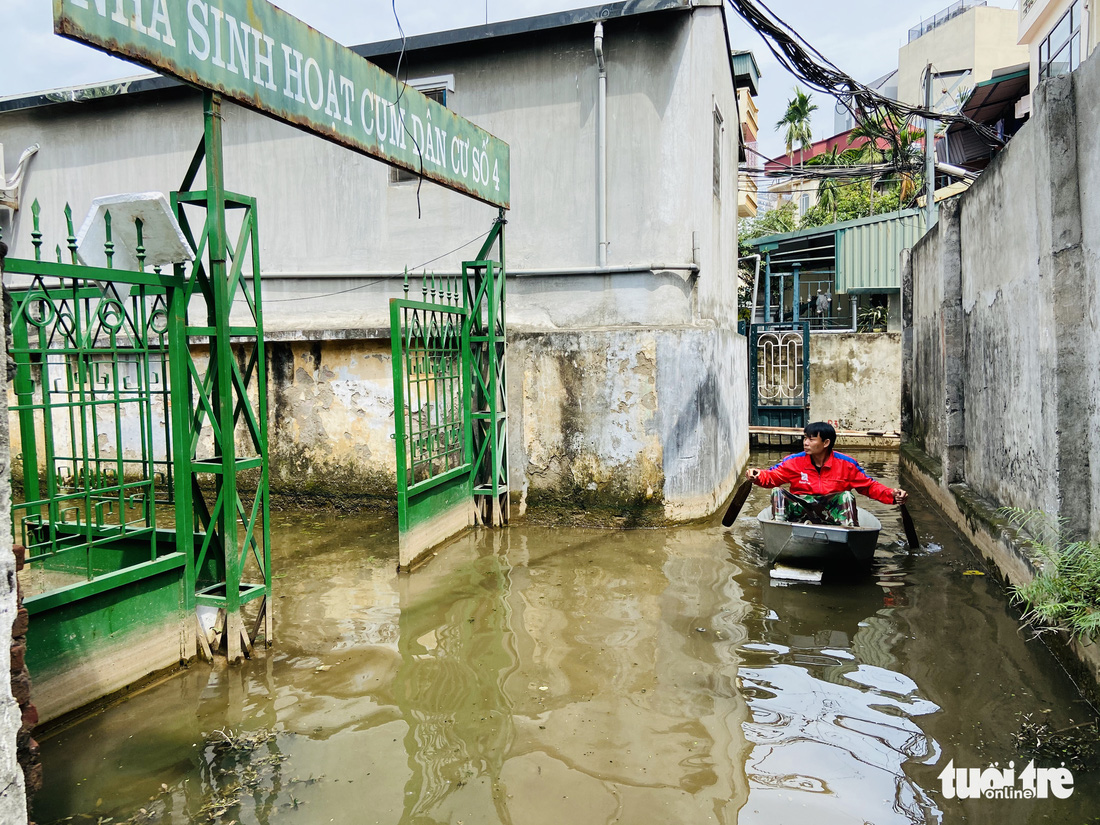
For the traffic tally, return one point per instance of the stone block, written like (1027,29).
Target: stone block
(30,717)
(22,620)
(21,688)
(18,656)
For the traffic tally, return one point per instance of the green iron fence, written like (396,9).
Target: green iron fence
(122,408)
(432,415)
(91,393)
(451,423)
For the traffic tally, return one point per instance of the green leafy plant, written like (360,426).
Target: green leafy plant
(1066,592)
(872,319)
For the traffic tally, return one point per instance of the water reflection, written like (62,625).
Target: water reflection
(547,680)
(833,723)
(534,676)
(457,651)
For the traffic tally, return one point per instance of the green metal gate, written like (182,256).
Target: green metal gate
(779,375)
(91,387)
(450,408)
(125,402)
(432,416)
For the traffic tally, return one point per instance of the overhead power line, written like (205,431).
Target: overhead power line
(865,104)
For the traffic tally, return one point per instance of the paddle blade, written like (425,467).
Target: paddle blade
(910,528)
(738,502)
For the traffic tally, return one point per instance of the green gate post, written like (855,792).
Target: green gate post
(796,298)
(486,299)
(221,360)
(768,287)
(220,554)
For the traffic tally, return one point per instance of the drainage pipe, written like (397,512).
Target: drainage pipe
(601,147)
(755,285)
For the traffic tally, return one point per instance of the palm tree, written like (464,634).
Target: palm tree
(796,122)
(904,149)
(828,190)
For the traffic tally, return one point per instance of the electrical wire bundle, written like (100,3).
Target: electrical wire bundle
(866,105)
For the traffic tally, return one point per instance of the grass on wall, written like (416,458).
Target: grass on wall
(1066,593)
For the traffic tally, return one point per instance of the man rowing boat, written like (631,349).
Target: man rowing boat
(821,481)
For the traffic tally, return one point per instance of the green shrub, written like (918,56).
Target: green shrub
(1066,592)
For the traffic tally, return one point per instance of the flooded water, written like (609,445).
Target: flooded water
(537,675)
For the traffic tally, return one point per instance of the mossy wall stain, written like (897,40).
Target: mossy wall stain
(590,432)
(332,418)
(855,380)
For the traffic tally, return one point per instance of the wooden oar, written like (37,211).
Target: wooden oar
(910,528)
(738,502)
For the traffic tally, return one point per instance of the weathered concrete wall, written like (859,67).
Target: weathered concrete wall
(652,420)
(855,380)
(1006,386)
(637,420)
(1004,317)
(331,417)
(923,393)
(1006,380)
(1086,88)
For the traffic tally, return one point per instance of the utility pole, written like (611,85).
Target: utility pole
(929,154)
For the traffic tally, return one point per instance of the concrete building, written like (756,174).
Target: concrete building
(965,43)
(747,77)
(1058,36)
(627,371)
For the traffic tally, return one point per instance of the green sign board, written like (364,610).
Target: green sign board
(260,56)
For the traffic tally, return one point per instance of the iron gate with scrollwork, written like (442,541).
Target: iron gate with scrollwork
(450,402)
(779,355)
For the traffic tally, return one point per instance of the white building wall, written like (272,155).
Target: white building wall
(982,39)
(1037,18)
(335,234)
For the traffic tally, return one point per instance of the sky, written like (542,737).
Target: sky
(861,37)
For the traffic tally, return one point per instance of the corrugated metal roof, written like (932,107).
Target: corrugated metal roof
(868,250)
(868,255)
(746,70)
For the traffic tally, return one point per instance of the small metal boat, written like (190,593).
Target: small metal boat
(819,544)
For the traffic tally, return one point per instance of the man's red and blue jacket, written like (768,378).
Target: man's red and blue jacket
(837,474)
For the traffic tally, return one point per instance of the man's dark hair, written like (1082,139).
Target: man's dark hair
(824,430)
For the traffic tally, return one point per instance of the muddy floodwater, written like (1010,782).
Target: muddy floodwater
(580,676)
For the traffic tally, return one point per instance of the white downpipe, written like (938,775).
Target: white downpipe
(601,148)
(755,285)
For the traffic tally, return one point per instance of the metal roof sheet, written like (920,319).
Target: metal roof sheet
(868,256)
(746,71)
(867,250)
